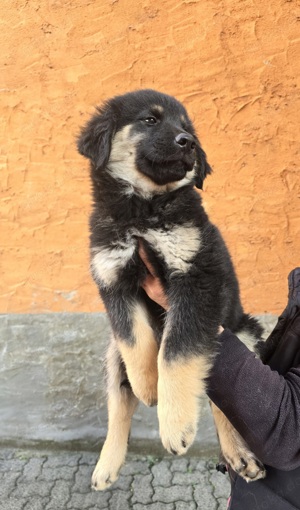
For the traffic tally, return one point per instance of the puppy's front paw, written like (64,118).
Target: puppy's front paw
(180,384)
(177,432)
(103,476)
(177,421)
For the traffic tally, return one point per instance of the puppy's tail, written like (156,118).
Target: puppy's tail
(249,327)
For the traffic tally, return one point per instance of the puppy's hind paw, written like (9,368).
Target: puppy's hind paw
(250,468)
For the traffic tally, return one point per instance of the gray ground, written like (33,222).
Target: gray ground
(50,480)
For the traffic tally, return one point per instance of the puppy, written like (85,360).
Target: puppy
(145,161)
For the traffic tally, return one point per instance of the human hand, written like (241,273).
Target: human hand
(152,284)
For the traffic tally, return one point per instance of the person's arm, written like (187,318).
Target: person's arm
(263,406)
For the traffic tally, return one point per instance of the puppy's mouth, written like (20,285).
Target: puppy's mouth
(165,172)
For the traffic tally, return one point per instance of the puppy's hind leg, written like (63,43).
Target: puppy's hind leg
(121,406)
(235,450)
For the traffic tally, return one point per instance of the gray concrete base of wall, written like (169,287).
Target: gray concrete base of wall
(52,386)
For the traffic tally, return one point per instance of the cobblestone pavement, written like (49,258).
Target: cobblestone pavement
(44,480)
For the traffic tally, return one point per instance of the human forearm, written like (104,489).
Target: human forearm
(263,406)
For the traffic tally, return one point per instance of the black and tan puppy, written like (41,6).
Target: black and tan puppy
(145,160)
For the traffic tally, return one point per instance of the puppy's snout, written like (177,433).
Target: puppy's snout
(186,141)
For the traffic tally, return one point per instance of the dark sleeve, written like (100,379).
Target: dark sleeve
(262,405)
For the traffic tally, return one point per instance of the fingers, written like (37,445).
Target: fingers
(143,256)
(151,283)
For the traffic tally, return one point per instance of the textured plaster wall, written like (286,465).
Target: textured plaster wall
(235,65)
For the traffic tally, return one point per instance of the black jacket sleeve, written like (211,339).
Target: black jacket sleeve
(262,405)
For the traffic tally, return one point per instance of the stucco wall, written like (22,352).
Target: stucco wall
(234,64)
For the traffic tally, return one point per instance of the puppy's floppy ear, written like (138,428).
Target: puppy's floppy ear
(202,167)
(95,139)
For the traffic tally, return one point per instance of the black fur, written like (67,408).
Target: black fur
(205,296)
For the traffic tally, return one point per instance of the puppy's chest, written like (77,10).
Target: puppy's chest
(175,244)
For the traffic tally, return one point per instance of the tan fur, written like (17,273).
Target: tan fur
(141,358)
(122,166)
(235,450)
(158,108)
(121,406)
(180,383)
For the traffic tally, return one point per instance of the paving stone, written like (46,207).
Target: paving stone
(36,503)
(221,484)
(60,495)
(8,484)
(95,500)
(222,503)
(180,465)
(27,490)
(198,465)
(162,474)
(180,478)
(172,494)
(13,504)
(89,458)
(83,479)
(39,480)
(203,495)
(55,460)
(119,501)
(180,505)
(11,465)
(142,489)
(131,468)
(32,469)
(154,506)
(59,473)
(6,453)
(124,483)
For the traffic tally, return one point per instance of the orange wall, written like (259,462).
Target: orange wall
(234,64)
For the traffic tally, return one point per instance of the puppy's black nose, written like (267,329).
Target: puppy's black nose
(186,141)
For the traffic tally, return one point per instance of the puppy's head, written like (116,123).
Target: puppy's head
(146,139)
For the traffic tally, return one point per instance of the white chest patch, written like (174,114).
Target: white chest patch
(107,262)
(178,246)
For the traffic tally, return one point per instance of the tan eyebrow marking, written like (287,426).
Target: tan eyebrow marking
(157,108)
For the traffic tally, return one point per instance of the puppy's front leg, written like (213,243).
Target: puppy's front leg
(180,383)
(140,357)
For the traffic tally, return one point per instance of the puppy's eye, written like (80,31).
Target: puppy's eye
(151,121)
